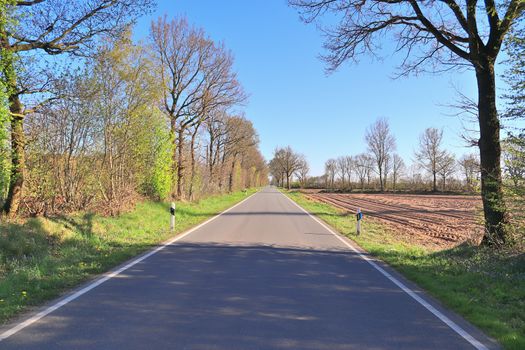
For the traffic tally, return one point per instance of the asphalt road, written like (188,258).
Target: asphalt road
(264,275)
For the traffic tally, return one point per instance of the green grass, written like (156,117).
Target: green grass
(42,257)
(485,287)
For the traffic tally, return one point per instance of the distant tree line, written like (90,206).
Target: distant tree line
(382,169)
(90,119)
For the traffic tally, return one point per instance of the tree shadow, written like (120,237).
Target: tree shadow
(221,296)
(82,224)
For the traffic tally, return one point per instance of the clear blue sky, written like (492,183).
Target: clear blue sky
(293,102)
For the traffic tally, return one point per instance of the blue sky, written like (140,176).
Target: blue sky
(293,102)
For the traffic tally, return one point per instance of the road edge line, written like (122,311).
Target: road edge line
(110,274)
(453,325)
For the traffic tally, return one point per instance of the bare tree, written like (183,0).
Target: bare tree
(349,160)
(240,136)
(53,27)
(330,169)
(342,171)
(361,168)
(380,143)
(448,34)
(398,167)
(287,162)
(197,77)
(430,153)
(302,171)
(446,167)
(469,165)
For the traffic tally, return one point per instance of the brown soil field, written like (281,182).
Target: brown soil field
(435,221)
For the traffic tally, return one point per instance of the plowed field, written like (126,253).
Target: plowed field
(434,220)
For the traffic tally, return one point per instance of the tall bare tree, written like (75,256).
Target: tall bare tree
(52,27)
(398,167)
(469,165)
(430,153)
(448,34)
(302,171)
(197,77)
(446,167)
(181,51)
(380,143)
(330,170)
(362,168)
(344,169)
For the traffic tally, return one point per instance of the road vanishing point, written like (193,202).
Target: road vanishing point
(264,274)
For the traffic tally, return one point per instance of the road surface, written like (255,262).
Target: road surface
(264,275)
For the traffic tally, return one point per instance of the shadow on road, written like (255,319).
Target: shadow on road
(206,296)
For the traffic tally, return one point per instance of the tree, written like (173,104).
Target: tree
(446,167)
(398,167)
(52,27)
(448,34)
(104,141)
(330,169)
(469,165)
(380,143)
(241,136)
(232,148)
(430,152)
(286,162)
(302,171)
(344,169)
(515,74)
(514,144)
(197,77)
(514,159)
(362,168)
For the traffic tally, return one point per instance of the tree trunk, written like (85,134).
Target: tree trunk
(230,179)
(192,176)
(381,179)
(16,183)
(490,154)
(394,182)
(180,164)
(434,187)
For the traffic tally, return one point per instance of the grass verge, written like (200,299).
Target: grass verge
(42,257)
(485,287)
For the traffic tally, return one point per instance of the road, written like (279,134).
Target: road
(264,275)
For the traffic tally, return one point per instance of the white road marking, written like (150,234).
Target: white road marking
(107,276)
(454,326)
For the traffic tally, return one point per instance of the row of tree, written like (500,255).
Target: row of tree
(112,119)
(380,168)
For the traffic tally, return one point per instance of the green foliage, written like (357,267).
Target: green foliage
(487,287)
(514,158)
(4,143)
(42,257)
(160,179)
(515,74)
(514,166)
(7,74)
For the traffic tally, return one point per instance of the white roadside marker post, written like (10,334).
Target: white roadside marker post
(358,216)
(172,217)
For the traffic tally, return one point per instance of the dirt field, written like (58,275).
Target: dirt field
(437,221)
